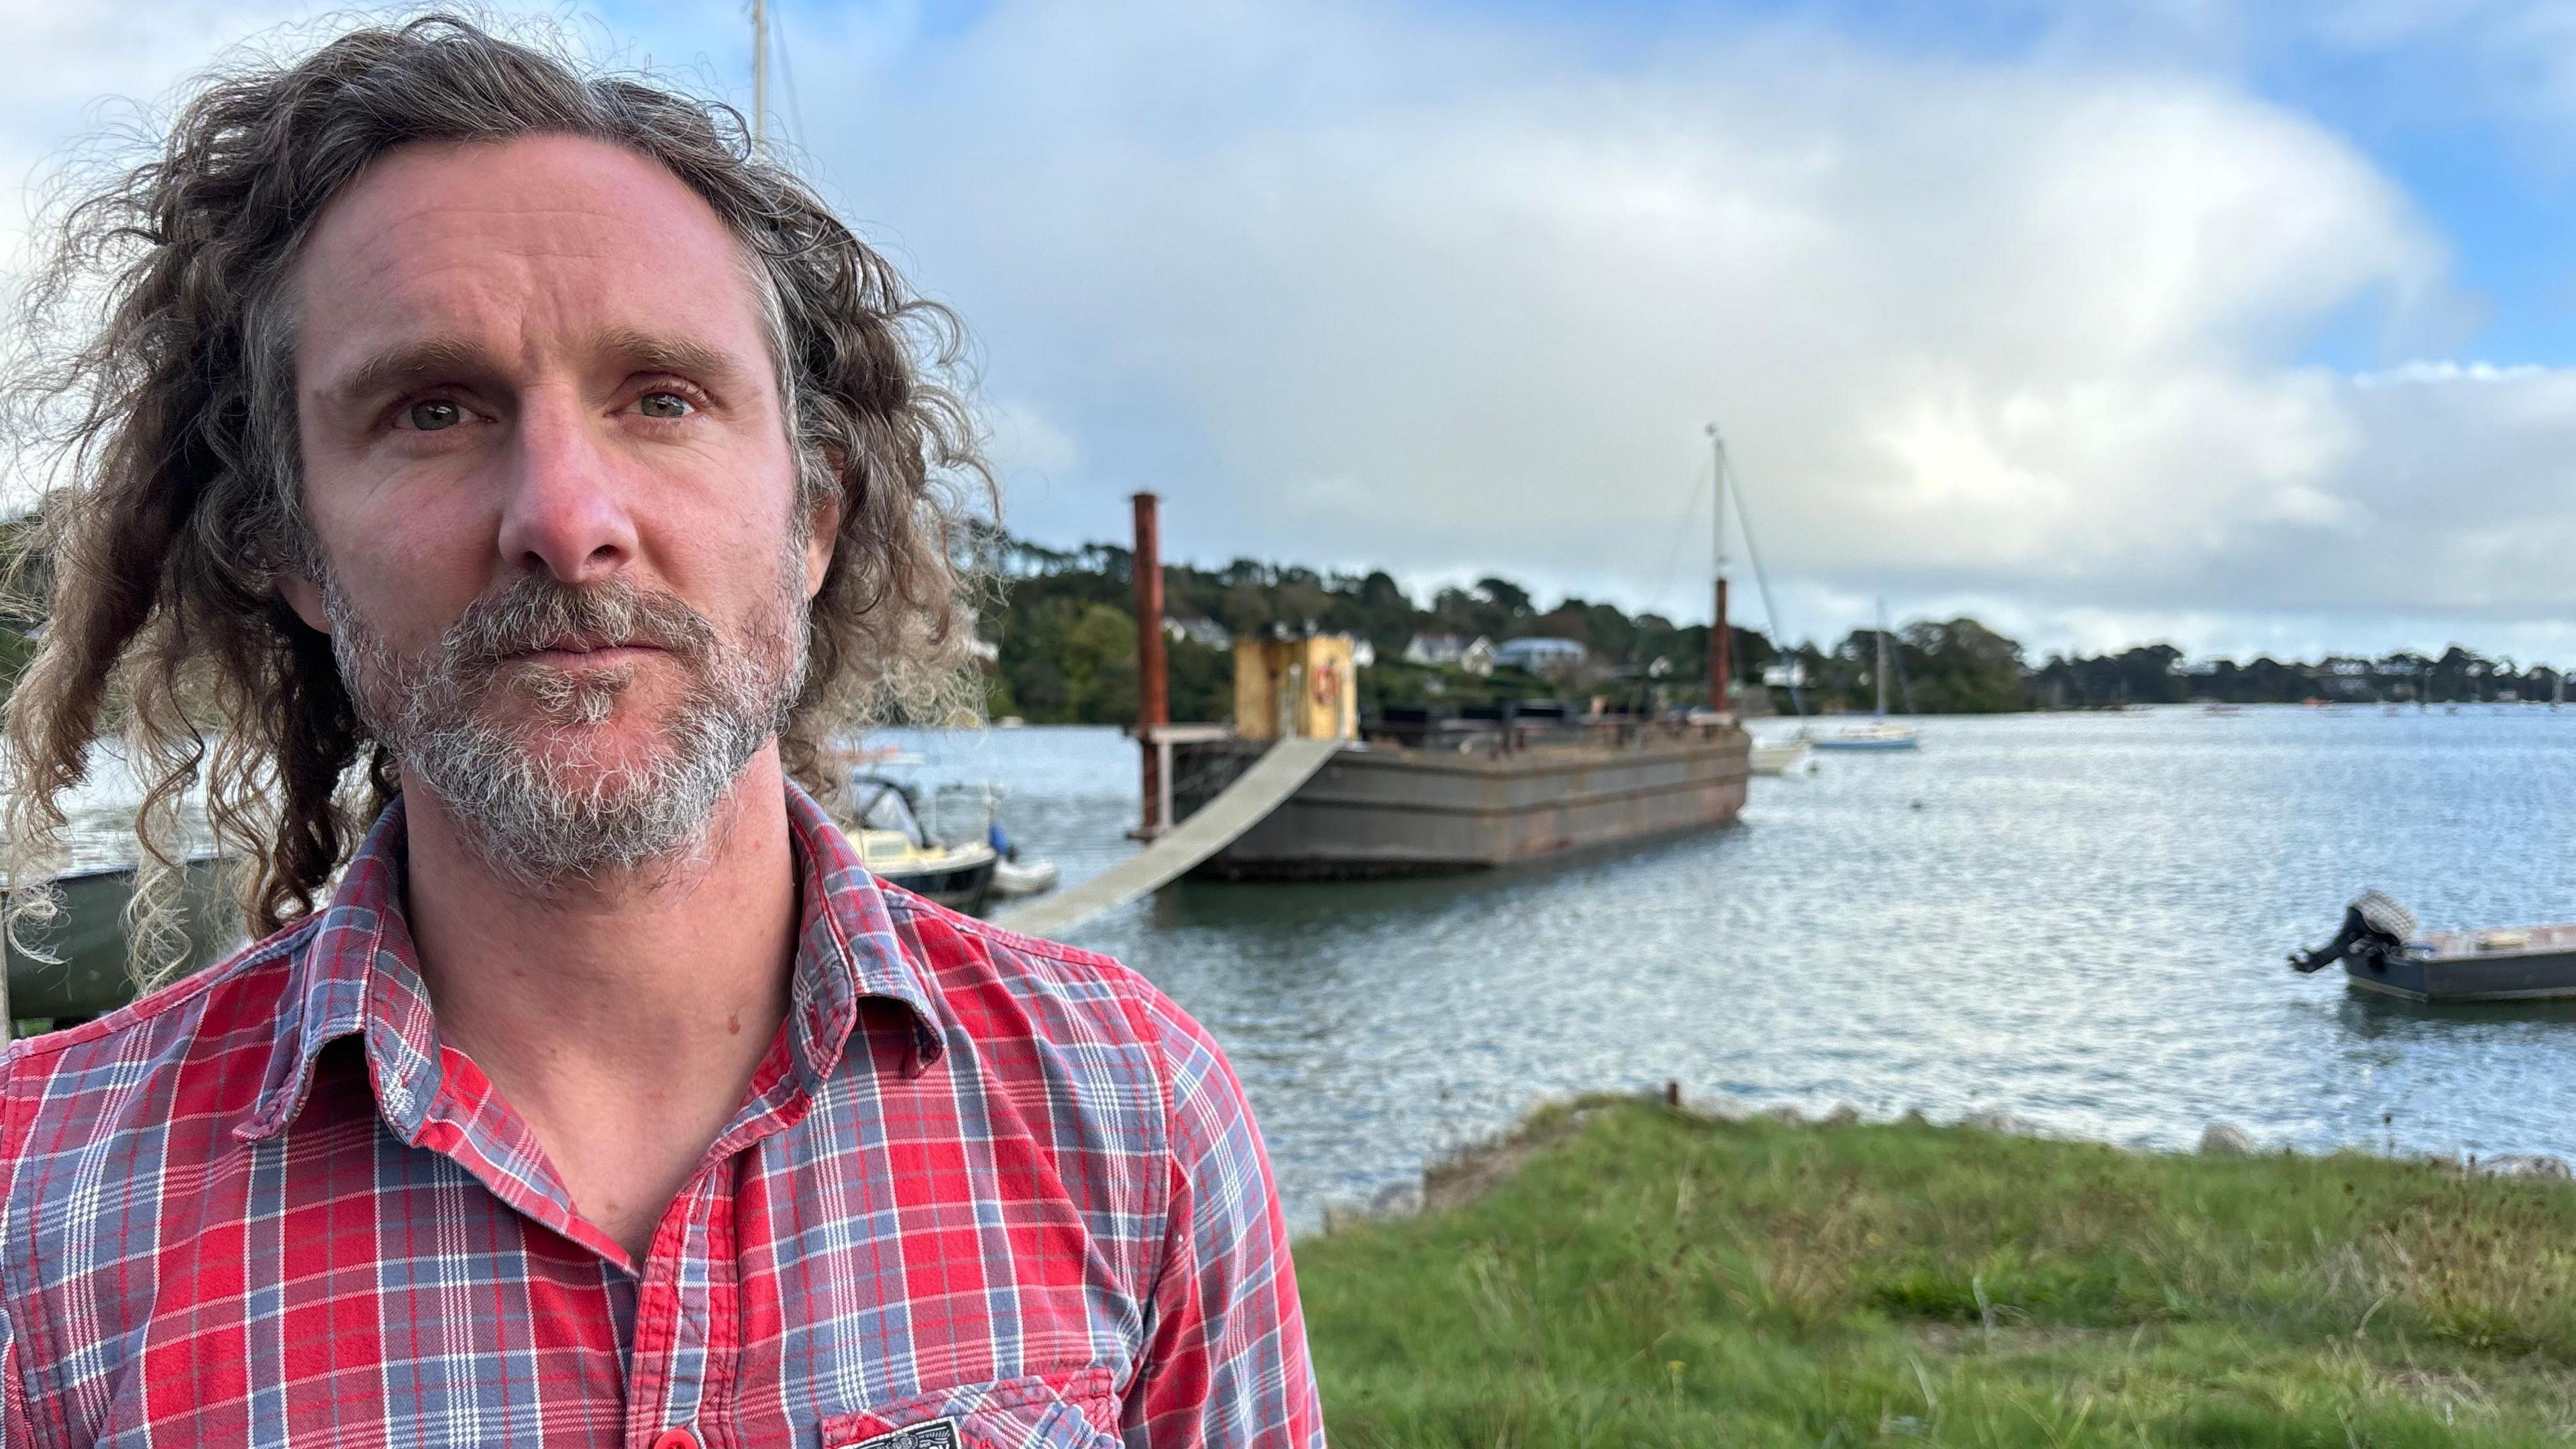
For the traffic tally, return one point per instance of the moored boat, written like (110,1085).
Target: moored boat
(1881,733)
(1781,757)
(1013,879)
(946,844)
(2382,951)
(1881,736)
(87,973)
(1475,800)
(1418,791)
(900,849)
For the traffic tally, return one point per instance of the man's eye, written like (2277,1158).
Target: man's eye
(665,405)
(433,416)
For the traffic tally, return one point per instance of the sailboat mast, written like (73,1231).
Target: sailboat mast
(1721,651)
(759,70)
(1882,658)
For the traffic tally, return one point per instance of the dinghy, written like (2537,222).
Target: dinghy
(2382,951)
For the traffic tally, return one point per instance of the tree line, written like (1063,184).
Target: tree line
(1065,641)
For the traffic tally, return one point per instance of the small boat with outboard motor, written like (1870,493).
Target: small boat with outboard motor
(948,845)
(2382,951)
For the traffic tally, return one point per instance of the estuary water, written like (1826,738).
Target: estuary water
(2076,919)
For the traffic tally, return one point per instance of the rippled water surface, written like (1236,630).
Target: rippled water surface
(2077,919)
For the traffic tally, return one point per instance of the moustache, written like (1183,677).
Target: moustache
(537,611)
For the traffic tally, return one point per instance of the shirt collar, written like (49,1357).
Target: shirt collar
(847,951)
(358,975)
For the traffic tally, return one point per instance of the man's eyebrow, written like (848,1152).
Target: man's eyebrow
(406,365)
(645,352)
(446,358)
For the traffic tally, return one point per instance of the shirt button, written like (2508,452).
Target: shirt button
(676,1439)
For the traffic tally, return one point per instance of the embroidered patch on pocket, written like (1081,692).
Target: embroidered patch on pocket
(936,1434)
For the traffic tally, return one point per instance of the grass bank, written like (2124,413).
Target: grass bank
(1628,1274)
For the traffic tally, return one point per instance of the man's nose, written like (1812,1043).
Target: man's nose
(565,503)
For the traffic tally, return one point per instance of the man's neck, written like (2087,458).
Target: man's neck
(621,1017)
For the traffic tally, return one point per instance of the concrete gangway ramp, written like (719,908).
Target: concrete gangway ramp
(1239,807)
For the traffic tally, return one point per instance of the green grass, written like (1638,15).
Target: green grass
(1652,1277)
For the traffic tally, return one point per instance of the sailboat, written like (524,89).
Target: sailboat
(1880,733)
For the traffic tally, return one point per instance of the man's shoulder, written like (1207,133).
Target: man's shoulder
(196,1046)
(1000,983)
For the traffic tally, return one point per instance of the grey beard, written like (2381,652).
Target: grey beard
(541,820)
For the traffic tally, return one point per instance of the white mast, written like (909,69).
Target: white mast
(759,70)
(1717,547)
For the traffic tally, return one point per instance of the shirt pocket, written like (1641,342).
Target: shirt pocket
(1074,1410)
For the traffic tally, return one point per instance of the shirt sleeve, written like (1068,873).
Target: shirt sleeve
(1226,1362)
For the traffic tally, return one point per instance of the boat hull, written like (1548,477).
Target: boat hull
(966,887)
(1378,811)
(88,975)
(2538,975)
(1780,759)
(1873,745)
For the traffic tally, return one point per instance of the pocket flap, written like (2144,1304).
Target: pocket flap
(1073,1410)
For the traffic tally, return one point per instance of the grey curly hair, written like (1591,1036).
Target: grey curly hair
(178,507)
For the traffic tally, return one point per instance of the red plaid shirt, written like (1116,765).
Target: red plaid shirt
(984,1192)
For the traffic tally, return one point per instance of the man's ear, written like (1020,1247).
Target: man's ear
(305,597)
(822,535)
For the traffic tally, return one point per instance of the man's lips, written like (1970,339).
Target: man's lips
(586,656)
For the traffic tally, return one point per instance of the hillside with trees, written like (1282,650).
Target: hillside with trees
(1065,639)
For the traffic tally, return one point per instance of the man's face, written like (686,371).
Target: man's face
(547,463)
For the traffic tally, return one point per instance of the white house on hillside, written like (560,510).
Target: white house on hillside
(1205,631)
(1443,651)
(1540,655)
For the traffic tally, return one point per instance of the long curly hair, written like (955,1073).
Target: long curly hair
(155,370)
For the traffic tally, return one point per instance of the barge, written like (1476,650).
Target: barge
(1296,789)
(1414,793)
(1380,807)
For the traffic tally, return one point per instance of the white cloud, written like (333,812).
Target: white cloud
(1453,295)
(1456,297)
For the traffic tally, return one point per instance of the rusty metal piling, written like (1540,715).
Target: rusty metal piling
(1153,680)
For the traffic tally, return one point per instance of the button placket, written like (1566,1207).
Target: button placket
(667,1379)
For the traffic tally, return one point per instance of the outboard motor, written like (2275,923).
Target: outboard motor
(2373,926)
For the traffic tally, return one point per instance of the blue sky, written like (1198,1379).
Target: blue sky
(2248,326)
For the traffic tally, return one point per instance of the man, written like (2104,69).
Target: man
(520,448)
